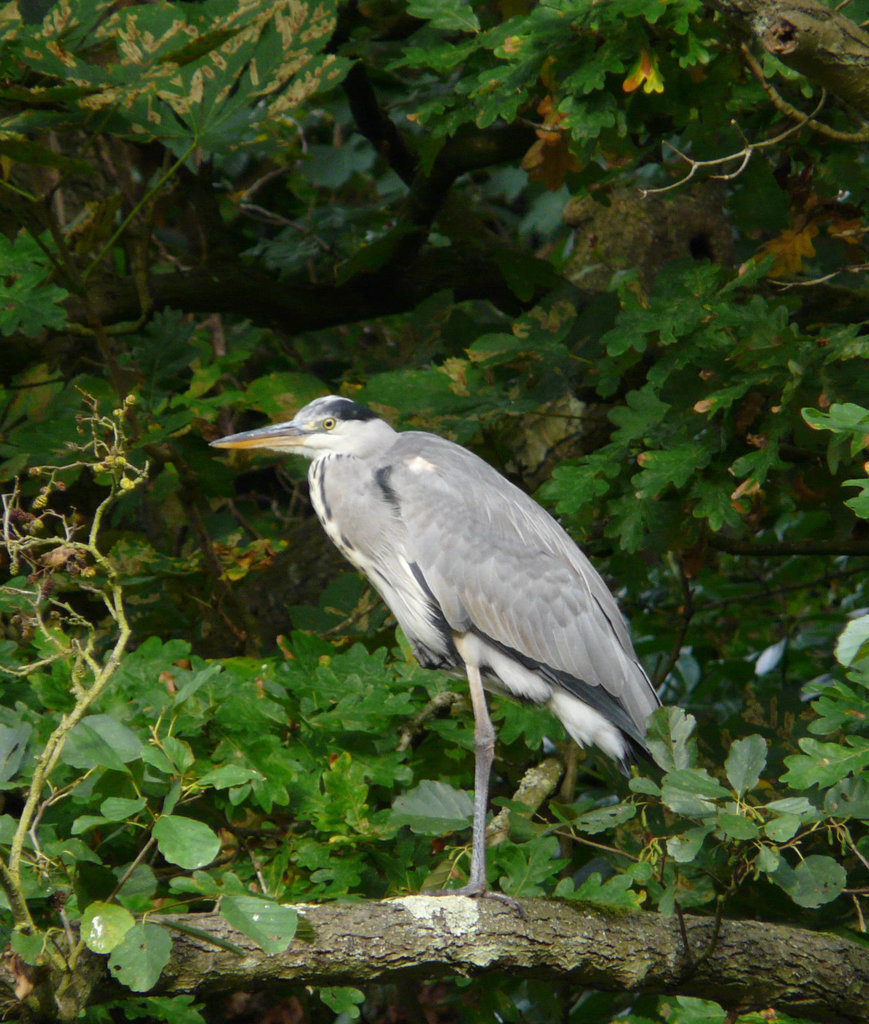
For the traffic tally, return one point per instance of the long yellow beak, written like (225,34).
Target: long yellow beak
(278,437)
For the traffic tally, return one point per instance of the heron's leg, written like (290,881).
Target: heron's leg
(484,753)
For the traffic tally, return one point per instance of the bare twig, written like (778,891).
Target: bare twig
(854,268)
(743,156)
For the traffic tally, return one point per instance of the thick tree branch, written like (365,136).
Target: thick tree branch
(373,122)
(820,43)
(295,306)
(754,965)
(469,150)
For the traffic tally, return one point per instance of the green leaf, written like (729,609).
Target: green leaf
(21,150)
(848,798)
(138,890)
(841,706)
(527,869)
(691,791)
(204,883)
(815,881)
(101,741)
(228,775)
(280,395)
(798,805)
(713,504)
(853,642)
(268,923)
(104,925)
(690,1010)
(138,961)
(640,784)
(669,738)
(93,881)
(685,847)
(13,743)
(28,304)
(639,417)
(768,859)
(601,819)
(842,417)
(614,892)
(196,682)
(172,797)
(155,757)
(27,946)
(433,808)
(746,759)
(574,487)
(783,827)
(342,1000)
(859,504)
(524,273)
(736,826)
(452,15)
(378,252)
(824,764)
(185,841)
(669,467)
(117,808)
(178,752)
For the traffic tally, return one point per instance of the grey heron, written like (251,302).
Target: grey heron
(477,574)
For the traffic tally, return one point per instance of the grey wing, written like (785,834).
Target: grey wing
(498,564)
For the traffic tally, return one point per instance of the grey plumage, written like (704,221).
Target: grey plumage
(477,574)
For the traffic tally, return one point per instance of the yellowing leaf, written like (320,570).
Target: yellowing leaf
(512,45)
(237,563)
(645,74)
(789,249)
(550,162)
(457,371)
(549,159)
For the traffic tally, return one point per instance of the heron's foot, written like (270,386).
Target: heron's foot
(478,892)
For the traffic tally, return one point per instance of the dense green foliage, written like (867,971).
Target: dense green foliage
(212,212)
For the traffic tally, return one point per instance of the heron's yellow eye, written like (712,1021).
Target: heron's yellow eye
(328,423)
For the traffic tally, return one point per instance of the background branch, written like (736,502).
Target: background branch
(737,546)
(296,306)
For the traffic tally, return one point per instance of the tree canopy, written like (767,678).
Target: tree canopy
(619,250)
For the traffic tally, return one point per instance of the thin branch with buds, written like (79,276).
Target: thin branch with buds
(89,674)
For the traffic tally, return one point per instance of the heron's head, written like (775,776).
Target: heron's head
(327,425)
